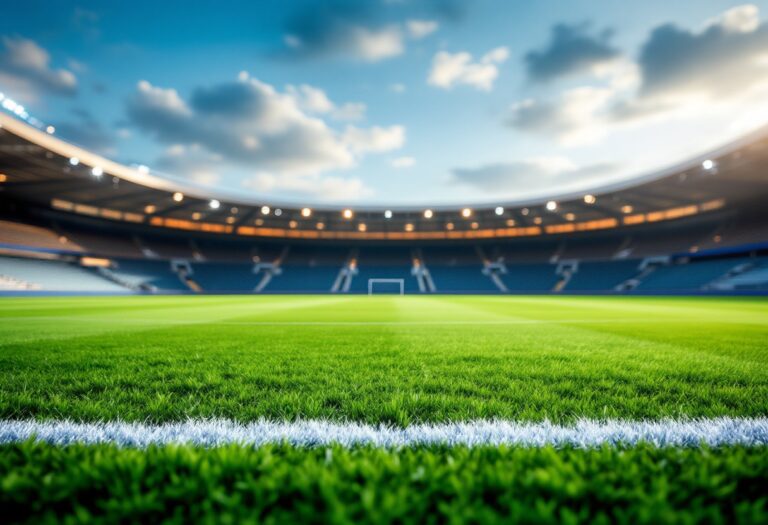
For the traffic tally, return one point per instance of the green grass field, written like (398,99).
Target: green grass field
(396,360)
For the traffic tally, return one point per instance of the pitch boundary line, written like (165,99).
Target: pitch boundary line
(585,433)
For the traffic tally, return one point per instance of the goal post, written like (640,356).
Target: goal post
(373,282)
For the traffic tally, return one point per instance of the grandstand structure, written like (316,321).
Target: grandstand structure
(72,221)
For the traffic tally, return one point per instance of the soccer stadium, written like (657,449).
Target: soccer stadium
(516,278)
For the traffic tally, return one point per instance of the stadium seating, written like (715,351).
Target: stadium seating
(53,276)
(596,276)
(692,276)
(461,278)
(537,278)
(154,274)
(18,234)
(225,276)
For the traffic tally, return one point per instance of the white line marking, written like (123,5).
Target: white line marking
(585,433)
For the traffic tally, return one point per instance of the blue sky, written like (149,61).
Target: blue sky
(392,101)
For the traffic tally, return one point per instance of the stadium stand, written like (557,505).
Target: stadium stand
(52,276)
(535,278)
(682,275)
(29,236)
(149,275)
(597,276)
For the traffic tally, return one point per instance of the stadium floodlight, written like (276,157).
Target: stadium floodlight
(306,212)
(143,169)
(627,208)
(428,214)
(74,161)
(196,216)
(551,205)
(511,222)
(570,217)
(466,212)
(537,220)
(233,210)
(708,164)
(525,211)
(475,225)
(409,227)
(347,214)
(178,196)
(449,226)
(97,171)
(278,212)
(214,204)
(362,227)
(292,224)
(50,130)
(388,214)
(320,225)
(230,220)
(590,199)
(265,210)
(499,210)
(149,209)
(3,177)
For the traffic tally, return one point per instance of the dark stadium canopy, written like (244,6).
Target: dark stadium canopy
(40,170)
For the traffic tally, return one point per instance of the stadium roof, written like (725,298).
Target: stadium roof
(42,170)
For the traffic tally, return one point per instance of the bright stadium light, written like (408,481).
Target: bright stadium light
(149,209)
(265,210)
(388,214)
(306,212)
(708,164)
(475,225)
(427,214)
(320,225)
(278,212)
(570,217)
(214,204)
(590,199)
(196,216)
(551,205)
(143,169)
(230,220)
(234,210)
(97,171)
(499,210)
(293,224)
(362,227)
(511,222)
(449,226)
(178,196)
(627,208)
(347,214)
(409,227)
(466,212)
(50,130)
(74,161)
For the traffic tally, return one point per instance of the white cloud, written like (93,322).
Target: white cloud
(740,19)
(373,45)
(251,124)
(421,28)
(402,162)
(450,69)
(314,100)
(374,140)
(535,174)
(329,188)
(26,67)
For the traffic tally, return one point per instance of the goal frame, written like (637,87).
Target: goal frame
(371,282)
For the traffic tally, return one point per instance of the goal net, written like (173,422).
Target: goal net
(386,286)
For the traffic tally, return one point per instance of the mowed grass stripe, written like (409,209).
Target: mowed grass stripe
(699,363)
(723,431)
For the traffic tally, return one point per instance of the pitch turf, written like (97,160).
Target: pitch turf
(393,360)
